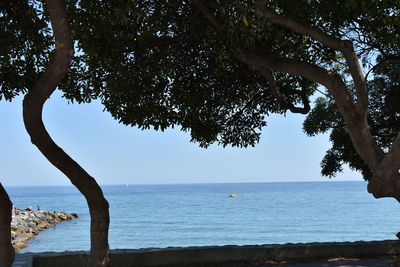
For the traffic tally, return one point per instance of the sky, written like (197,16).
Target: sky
(116,154)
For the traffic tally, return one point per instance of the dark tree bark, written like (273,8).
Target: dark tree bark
(7,252)
(32,113)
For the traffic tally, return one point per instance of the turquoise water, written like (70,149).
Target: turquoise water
(204,214)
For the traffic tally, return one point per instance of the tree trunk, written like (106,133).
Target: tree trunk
(6,249)
(32,113)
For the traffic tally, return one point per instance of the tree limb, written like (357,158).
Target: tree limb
(344,46)
(356,123)
(267,73)
(310,71)
(353,114)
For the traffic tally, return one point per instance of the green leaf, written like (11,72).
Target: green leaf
(245,22)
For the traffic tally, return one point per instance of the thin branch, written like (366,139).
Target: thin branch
(374,68)
(324,94)
(385,60)
(267,73)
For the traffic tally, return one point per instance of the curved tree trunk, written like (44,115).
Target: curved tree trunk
(7,252)
(32,113)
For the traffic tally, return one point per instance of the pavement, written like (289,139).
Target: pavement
(25,260)
(381,262)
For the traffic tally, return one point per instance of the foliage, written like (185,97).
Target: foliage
(24,47)
(376,32)
(157,64)
(383,118)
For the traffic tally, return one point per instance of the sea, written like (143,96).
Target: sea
(181,215)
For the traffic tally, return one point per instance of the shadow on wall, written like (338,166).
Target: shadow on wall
(233,255)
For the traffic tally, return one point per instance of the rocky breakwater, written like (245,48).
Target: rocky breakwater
(28,223)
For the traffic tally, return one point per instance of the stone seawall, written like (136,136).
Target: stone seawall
(28,223)
(221,256)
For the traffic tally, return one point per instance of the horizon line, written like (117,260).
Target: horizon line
(190,183)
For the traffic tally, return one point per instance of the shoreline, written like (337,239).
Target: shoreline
(28,223)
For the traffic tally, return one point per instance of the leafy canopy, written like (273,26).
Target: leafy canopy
(156,64)
(25,46)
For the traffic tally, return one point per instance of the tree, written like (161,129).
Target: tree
(27,68)
(6,249)
(351,37)
(217,68)
(159,64)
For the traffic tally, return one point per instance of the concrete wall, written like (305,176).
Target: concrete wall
(208,256)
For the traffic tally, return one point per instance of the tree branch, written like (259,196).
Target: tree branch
(267,73)
(344,46)
(385,60)
(310,71)
(353,114)
(356,123)
(216,22)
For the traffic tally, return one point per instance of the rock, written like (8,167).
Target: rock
(26,224)
(62,216)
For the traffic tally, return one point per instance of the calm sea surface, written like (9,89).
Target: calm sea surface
(204,214)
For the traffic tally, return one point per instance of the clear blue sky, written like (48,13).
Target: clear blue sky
(117,154)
